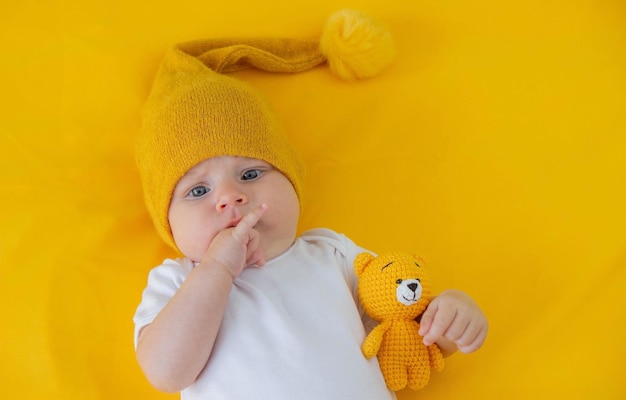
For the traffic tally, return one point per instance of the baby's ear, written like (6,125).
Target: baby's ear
(361,261)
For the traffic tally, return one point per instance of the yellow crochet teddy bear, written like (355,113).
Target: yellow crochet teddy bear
(394,290)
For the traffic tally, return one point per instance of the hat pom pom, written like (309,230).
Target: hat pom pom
(356,46)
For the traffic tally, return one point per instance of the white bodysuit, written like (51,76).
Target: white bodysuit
(292,329)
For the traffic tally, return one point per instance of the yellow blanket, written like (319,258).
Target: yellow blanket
(495,146)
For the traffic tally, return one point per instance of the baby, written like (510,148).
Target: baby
(252,310)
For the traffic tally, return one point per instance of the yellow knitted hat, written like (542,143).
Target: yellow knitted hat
(194,112)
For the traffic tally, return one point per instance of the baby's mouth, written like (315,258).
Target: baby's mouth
(233,223)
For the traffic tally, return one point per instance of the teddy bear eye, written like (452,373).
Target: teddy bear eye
(399,281)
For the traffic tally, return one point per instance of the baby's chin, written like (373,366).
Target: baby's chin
(195,256)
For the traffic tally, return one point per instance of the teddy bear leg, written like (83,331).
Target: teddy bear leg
(394,373)
(418,377)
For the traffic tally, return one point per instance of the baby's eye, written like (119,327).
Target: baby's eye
(198,191)
(250,174)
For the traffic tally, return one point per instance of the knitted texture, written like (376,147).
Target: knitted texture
(348,40)
(394,289)
(194,112)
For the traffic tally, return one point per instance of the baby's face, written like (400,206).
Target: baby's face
(218,192)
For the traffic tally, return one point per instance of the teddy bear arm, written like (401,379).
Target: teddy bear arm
(436,357)
(372,342)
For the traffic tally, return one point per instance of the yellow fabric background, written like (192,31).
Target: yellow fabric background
(494,146)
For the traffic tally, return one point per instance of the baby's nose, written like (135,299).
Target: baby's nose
(231,198)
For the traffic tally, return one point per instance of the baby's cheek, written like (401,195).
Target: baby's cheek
(191,244)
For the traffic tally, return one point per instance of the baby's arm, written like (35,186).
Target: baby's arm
(454,322)
(175,347)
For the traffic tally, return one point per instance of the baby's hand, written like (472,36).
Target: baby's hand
(238,247)
(454,317)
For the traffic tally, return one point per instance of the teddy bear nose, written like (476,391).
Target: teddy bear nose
(412,286)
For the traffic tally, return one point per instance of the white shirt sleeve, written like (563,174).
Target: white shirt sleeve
(163,282)
(348,250)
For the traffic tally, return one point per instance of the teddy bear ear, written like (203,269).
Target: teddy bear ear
(361,261)
(419,260)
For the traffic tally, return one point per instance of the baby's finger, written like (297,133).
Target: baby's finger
(458,328)
(243,228)
(254,252)
(427,319)
(473,338)
(442,320)
(256,259)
